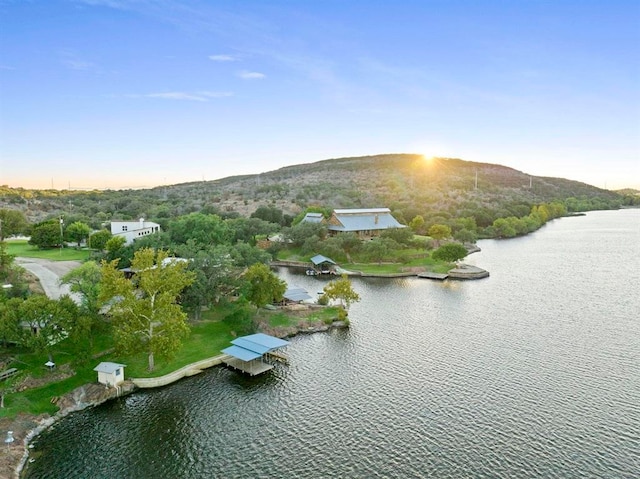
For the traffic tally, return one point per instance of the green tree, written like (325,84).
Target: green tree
(78,232)
(48,321)
(299,233)
(417,224)
(201,228)
(247,229)
(270,214)
(99,239)
(262,286)
(214,279)
(378,249)
(114,246)
(504,228)
(439,232)
(349,243)
(146,314)
(450,252)
(10,320)
(85,281)
(12,222)
(46,234)
(342,290)
(402,236)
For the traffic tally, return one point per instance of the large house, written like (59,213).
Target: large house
(132,230)
(365,222)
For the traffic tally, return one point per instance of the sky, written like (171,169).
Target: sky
(141,93)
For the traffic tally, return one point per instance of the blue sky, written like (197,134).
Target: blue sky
(138,93)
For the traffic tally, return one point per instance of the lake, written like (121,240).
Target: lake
(532,372)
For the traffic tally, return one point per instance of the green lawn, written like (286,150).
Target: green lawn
(25,250)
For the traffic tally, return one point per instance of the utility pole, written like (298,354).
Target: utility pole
(61,234)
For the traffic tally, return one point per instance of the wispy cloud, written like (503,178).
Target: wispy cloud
(6,67)
(71,60)
(251,75)
(223,58)
(202,96)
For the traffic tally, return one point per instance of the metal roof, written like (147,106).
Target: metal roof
(241,353)
(253,346)
(108,368)
(319,259)
(296,294)
(360,211)
(313,217)
(365,221)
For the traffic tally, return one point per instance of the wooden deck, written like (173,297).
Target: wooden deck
(252,368)
(430,275)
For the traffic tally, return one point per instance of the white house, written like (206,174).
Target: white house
(110,374)
(132,230)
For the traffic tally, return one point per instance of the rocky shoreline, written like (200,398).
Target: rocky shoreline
(27,427)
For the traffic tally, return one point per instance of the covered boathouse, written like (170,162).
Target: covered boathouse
(247,352)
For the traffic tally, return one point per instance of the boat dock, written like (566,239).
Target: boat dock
(430,275)
(247,353)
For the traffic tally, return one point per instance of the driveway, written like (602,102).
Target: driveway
(49,273)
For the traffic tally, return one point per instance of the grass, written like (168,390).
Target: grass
(24,249)
(207,338)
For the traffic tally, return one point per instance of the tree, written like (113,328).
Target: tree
(12,275)
(49,321)
(439,232)
(247,229)
(99,239)
(78,232)
(450,252)
(349,242)
(378,249)
(417,225)
(504,228)
(299,233)
(12,222)
(85,281)
(270,214)
(114,245)
(342,290)
(403,236)
(10,320)
(262,286)
(203,229)
(214,279)
(46,234)
(146,314)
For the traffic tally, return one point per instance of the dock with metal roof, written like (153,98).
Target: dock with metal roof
(247,353)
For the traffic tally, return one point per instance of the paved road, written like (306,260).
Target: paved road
(49,273)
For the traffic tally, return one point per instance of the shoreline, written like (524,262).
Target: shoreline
(27,427)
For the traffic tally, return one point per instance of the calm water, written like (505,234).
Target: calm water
(533,372)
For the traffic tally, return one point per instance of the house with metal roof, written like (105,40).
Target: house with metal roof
(365,222)
(247,353)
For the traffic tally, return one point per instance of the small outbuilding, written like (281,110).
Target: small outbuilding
(110,374)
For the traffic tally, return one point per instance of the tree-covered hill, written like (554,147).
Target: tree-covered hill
(406,183)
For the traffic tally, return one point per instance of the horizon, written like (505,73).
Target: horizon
(70,187)
(122,94)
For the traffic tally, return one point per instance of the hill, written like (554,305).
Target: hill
(406,183)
